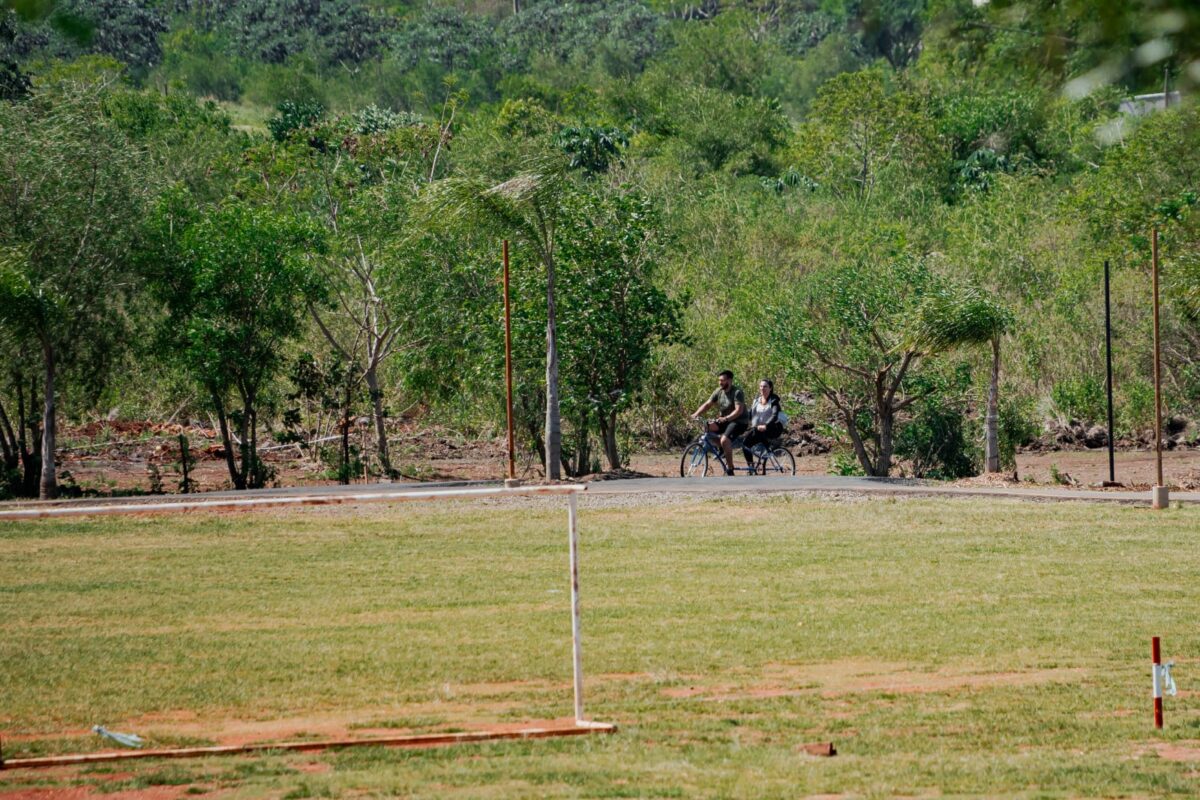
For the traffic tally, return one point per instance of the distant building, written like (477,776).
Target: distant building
(1143,104)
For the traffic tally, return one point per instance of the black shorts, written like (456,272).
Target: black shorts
(773,431)
(733,429)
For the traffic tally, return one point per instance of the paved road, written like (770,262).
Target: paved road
(699,486)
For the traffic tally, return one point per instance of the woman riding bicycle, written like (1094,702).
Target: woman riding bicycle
(765,422)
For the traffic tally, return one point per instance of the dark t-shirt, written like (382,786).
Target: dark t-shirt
(725,402)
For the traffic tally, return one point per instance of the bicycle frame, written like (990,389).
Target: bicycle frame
(764,457)
(711,441)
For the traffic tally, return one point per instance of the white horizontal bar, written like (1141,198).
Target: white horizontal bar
(284,500)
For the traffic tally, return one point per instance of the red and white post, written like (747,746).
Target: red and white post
(1156,672)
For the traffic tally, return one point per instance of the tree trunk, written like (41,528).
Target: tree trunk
(608,432)
(583,454)
(860,449)
(250,463)
(883,460)
(553,418)
(344,470)
(344,478)
(31,462)
(49,486)
(8,442)
(991,427)
(380,426)
(227,441)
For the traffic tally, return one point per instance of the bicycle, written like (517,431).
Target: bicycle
(774,459)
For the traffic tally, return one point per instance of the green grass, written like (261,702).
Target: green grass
(962,648)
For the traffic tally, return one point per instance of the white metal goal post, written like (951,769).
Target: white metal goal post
(582,725)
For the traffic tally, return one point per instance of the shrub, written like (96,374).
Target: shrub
(1134,406)
(1079,398)
(935,439)
(1018,427)
(294,115)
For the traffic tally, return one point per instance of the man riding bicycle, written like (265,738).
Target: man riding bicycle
(735,416)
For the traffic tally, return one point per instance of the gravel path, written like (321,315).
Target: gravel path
(635,492)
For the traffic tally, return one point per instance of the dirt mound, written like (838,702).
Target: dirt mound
(615,475)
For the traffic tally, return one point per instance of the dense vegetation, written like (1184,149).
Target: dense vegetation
(271,212)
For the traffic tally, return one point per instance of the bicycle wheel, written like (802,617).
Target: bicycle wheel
(694,463)
(779,462)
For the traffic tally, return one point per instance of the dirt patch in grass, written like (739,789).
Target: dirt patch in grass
(355,724)
(833,679)
(83,792)
(1188,752)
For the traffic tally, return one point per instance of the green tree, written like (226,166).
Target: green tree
(528,206)
(71,195)
(236,283)
(20,429)
(846,333)
(861,134)
(357,178)
(952,317)
(613,312)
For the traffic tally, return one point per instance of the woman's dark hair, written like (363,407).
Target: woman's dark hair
(771,385)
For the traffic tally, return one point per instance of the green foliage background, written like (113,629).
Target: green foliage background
(771,145)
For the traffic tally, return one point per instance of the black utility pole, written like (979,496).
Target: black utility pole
(1112,468)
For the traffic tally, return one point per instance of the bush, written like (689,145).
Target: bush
(844,464)
(1134,406)
(1018,426)
(935,440)
(293,116)
(373,119)
(10,482)
(198,62)
(272,84)
(1080,398)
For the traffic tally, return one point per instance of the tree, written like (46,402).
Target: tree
(236,283)
(613,312)
(20,430)
(845,333)
(859,133)
(71,194)
(951,317)
(14,83)
(357,177)
(448,37)
(343,31)
(592,149)
(529,206)
(1079,44)
(621,35)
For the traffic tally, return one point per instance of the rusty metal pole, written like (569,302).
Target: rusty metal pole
(1160,496)
(1112,431)
(508,382)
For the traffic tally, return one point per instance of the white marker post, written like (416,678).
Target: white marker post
(1156,680)
(1162,681)
(576,645)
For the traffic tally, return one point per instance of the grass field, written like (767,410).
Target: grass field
(952,648)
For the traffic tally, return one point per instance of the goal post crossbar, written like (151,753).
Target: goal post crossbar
(315,499)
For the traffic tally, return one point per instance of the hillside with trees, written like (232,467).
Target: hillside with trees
(279,216)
